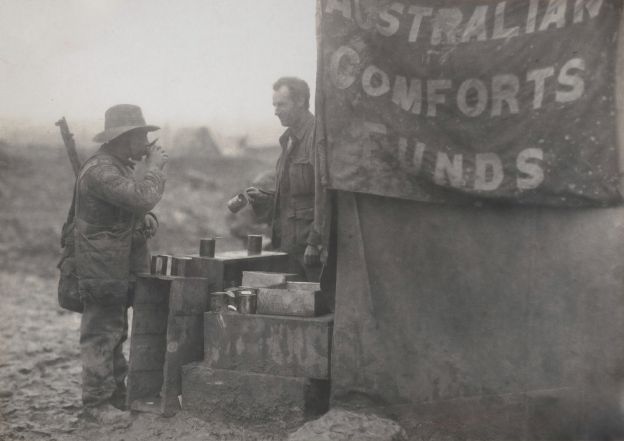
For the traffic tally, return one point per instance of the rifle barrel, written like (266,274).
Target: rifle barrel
(70,144)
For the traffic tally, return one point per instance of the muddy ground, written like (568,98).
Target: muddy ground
(39,353)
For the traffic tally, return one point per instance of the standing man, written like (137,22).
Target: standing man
(112,225)
(292,203)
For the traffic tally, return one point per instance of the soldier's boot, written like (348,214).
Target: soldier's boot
(119,397)
(109,416)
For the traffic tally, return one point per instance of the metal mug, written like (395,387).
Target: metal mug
(207,247)
(254,244)
(156,265)
(237,202)
(167,262)
(248,301)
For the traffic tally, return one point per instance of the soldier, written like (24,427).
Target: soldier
(112,225)
(292,204)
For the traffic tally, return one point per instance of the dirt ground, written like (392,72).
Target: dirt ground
(39,352)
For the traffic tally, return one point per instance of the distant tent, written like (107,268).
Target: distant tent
(195,141)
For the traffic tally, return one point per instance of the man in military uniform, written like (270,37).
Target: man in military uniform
(293,201)
(112,225)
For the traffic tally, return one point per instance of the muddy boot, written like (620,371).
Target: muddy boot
(110,416)
(118,399)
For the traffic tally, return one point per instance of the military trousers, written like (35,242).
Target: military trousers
(103,329)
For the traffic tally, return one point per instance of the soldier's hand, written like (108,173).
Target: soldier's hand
(151,226)
(156,157)
(255,195)
(312,256)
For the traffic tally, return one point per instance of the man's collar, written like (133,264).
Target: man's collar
(125,161)
(306,121)
(298,132)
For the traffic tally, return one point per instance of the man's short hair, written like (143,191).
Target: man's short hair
(298,89)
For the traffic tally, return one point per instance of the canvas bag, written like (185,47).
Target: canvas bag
(68,294)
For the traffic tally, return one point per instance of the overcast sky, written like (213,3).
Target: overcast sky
(184,61)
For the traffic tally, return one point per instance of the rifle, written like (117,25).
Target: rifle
(70,144)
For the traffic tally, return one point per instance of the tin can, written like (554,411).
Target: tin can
(178,266)
(219,302)
(248,301)
(237,202)
(207,247)
(167,261)
(254,244)
(156,265)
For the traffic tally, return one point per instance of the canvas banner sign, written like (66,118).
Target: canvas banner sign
(444,100)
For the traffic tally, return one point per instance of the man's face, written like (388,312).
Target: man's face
(286,109)
(137,142)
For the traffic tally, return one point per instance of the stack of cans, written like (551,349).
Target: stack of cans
(167,265)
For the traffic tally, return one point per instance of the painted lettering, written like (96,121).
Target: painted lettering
(539,76)
(480,103)
(364,21)
(408,98)
(505,89)
(390,22)
(499,24)
(453,170)
(411,156)
(446,23)
(343,75)
(343,6)
(375,81)
(475,28)
(529,164)
(488,172)
(532,17)
(592,6)
(419,13)
(433,97)
(575,82)
(555,14)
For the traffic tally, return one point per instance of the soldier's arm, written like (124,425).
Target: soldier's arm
(318,158)
(262,206)
(138,195)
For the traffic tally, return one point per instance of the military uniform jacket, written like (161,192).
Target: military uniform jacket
(111,203)
(293,202)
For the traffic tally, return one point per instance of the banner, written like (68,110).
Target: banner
(444,100)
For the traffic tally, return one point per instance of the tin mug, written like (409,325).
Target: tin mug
(207,247)
(167,262)
(248,301)
(254,244)
(237,202)
(156,265)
